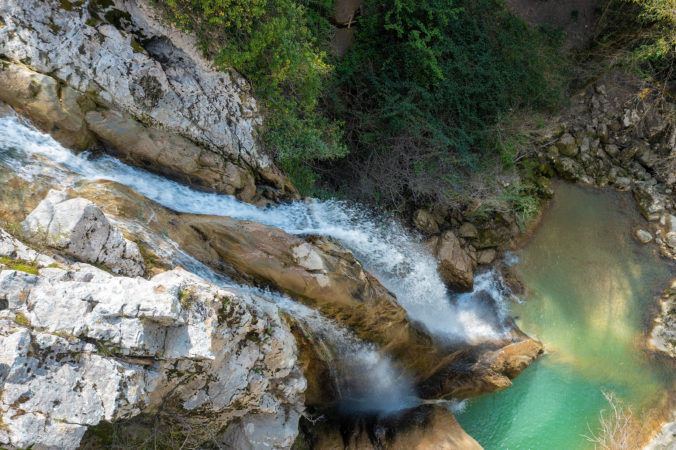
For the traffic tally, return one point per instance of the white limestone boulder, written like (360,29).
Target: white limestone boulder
(80,228)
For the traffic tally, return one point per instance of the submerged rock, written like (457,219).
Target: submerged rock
(78,227)
(79,346)
(643,236)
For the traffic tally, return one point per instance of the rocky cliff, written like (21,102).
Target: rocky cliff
(96,73)
(80,346)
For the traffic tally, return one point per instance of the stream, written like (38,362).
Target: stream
(591,297)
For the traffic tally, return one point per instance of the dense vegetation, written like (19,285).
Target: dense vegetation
(425,85)
(276,44)
(416,101)
(641,35)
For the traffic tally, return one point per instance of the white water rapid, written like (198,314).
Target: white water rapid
(386,249)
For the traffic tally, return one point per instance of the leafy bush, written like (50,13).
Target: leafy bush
(423,87)
(640,35)
(276,44)
(659,47)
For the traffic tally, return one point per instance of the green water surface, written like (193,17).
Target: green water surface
(591,295)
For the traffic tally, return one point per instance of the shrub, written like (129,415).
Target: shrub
(277,44)
(641,35)
(424,86)
(618,428)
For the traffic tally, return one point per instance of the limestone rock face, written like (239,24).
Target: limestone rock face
(80,228)
(456,267)
(72,63)
(79,346)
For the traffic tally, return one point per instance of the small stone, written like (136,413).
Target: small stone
(487,256)
(622,183)
(424,221)
(612,150)
(671,239)
(468,230)
(642,236)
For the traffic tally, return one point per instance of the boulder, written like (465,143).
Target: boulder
(456,267)
(78,227)
(567,145)
(468,231)
(642,236)
(663,335)
(424,221)
(493,237)
(650,202)
(486,256)
(671,239)
(79,346)
(568,168)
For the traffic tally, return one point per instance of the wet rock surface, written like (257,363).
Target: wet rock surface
(425,427)
(663,335)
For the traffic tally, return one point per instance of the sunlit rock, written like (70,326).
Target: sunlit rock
(78,227)
(79,346)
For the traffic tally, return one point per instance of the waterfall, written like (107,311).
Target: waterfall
(366,380)
(394,255)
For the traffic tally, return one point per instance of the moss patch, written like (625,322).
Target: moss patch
(13,264)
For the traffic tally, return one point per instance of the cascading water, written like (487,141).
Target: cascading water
(393,255)
(366,380)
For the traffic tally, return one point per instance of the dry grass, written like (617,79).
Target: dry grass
(620,429)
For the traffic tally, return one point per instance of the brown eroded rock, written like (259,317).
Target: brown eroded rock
(456,266)
(424,221)
(422,428)
(171,154)
(483,369)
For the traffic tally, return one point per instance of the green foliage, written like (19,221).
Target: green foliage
(523,201)
(640,35)
(277,45)
(424,86)
(659,47)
